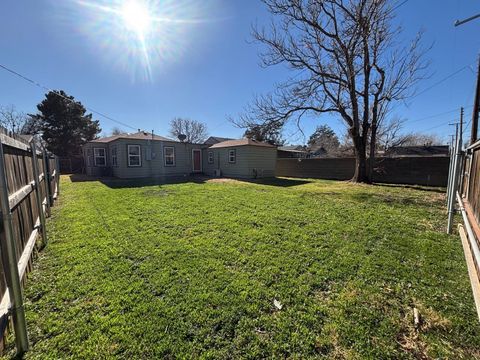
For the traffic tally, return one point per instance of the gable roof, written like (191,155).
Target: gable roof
(215,140)
(418,150)
(293,148)
(241,142)
(141,135)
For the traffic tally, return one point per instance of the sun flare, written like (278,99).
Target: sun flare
(140,36)
(136,16)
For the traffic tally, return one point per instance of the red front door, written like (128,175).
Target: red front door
(197,160)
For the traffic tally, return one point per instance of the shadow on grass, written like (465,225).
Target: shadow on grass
(116,183)
(438,190)
(280,182)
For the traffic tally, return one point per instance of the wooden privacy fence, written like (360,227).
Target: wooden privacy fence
(29,186)
(416,170)
(464,190)
(463,193)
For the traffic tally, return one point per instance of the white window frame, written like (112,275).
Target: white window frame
(129,156)
(95,156)
(165,155)
(230,153)
(113,156)
(211,157)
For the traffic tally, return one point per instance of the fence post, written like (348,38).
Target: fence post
(38,194)
(454,182)
(49,172)
(46,179)
(57,164)
(9,256)
(450,169)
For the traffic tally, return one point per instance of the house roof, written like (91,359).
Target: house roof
(241,142)
(418,150)
(292,148)
(141,135)
(215,140)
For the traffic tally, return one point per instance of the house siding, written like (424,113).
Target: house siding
(251,162)
(88,154)
(150,167)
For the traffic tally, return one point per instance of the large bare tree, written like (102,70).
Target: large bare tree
(347,60)
(195,131)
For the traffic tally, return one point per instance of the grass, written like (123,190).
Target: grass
(192,270)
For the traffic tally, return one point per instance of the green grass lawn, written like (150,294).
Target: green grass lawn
(192,271)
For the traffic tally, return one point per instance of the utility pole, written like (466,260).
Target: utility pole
(461,121)
(476,103)
(476,108)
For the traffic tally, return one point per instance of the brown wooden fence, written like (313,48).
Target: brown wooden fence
(30,178)
(464,191)
(417,170)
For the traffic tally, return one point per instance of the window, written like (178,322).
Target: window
(99,157)
(134,155)
(210,157)
(232,156)
(169,154)
(114,156)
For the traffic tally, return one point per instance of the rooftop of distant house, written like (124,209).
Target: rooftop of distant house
(241,142)
(140,135)
(215,140)
(433,150)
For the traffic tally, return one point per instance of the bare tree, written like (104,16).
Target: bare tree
(12,119)
(117,131)
(419,139)
(195,131)
(389,134)
(347,61)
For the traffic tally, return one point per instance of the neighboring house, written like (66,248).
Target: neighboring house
(244,158)
(292,151)
(142,155)
(434,150)
(316,151)
(215,140)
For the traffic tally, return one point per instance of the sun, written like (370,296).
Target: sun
(136,16)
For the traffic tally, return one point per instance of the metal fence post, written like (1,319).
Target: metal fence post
(454,183)
(46,178)
(38,194)
(450,169)
(9,255)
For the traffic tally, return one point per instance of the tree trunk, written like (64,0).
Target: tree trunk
(371,157)
(361,173)
(361,166)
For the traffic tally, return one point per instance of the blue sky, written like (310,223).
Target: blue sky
(208,69)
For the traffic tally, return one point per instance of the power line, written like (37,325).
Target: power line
(441,81)
(43,87)
(397,6)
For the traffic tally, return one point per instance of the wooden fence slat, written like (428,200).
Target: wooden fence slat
(29,196)
(17,197)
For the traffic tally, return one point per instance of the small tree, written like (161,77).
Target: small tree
(348,62)
(64,124)
(324,137)
(269,133)
(195,131)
